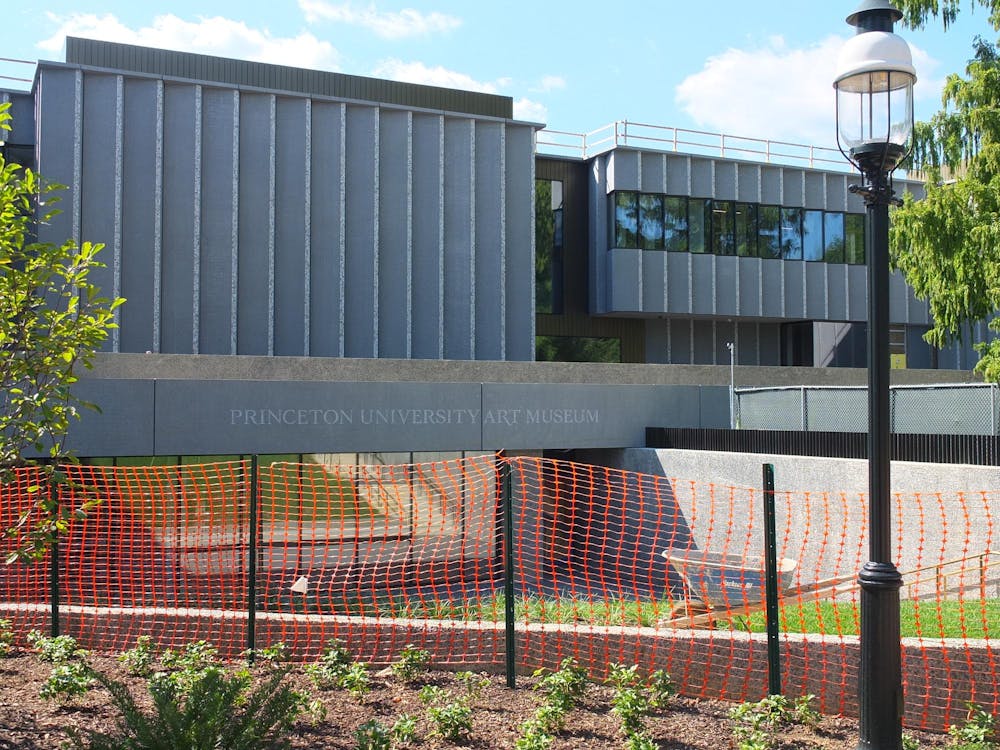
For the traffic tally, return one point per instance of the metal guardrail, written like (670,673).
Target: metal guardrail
(665,138)
(942,409)
(10,65)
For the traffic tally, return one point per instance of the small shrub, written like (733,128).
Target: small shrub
(404,730)
(473,683)
(187,667)
(217,711)
(56,650)
(564,687)
(640,741)
(452,721)
(413,662)
(67,680)
(356,680)
(978,731)
(804,712)
(373,735)
(631,705)
(756,721)
(6,638)
(910,743)
(533,736)
(275,653)
(332,665)
(138,660)
(661,688)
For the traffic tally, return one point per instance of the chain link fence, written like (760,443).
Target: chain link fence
(957,409)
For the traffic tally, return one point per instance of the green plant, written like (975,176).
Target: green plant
(450,717)
(188,666)
(412,663)
(71,675)
(564,687)
(533,736)
(332,665)
(373,735)
(217,710)
(754,722)
(275,653)
(6,638)
(661,688)
(910,743)
(67,680)
(977,732)
(404,730)
(640,741)
(631,705)
(473,683)
(356,680)
(56,649)
(138,660)
(452,721)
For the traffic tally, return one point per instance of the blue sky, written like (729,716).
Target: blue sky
(757,69)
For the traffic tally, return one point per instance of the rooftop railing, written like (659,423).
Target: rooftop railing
(624,133)
(14,71)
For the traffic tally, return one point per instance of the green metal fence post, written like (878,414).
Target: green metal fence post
(53,491)
(252,562)
(508,569)
(771,584)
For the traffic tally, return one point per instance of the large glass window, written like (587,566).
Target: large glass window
(769,231)
(812,235)
(854,238)
(791,233)
(675,223)
(650,221)
(723,242)
(577,349)
(699,225)
(548,246)
(626,219)
(745,229)
(833,237)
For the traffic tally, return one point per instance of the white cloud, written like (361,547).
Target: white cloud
(417,72)
(388,25)
(526,109)
(776,92)
(550,83)
(212,36)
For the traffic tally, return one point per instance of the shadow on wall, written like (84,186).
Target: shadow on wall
(590,531)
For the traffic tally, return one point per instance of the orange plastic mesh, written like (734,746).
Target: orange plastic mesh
(608,566)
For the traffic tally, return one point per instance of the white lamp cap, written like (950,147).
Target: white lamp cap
(874,52)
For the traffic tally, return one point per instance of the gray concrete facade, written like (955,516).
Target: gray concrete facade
(241,220)
(695,303)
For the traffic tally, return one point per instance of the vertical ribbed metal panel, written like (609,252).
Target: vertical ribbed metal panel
(394,247)
(326,230)
(362,231)
(254,212)
(427,237)
(219,204)
(487,218)
(459,238)
(291,247)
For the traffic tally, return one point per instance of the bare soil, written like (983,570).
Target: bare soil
(28,722)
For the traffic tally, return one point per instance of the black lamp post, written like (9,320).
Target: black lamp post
(874,122)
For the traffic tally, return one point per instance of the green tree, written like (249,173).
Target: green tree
(53,321)
(948,244)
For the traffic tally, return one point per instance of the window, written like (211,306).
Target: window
(745,229)
(769,231)
(854,238)
(723,242)
(548,246)
(812,235)
(699,225)
(650,221)
(833,237)
(675,223)
(577,349)
(626,219)
(791,233)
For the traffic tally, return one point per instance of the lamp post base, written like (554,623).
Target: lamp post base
(880,687)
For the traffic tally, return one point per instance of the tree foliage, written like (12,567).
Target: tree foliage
(948,243)
(53,321)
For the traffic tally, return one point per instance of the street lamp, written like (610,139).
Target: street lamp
(874,86)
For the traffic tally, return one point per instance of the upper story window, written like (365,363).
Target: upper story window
(548,246)
(651,221)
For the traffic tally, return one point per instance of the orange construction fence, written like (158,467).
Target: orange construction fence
(608,566)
